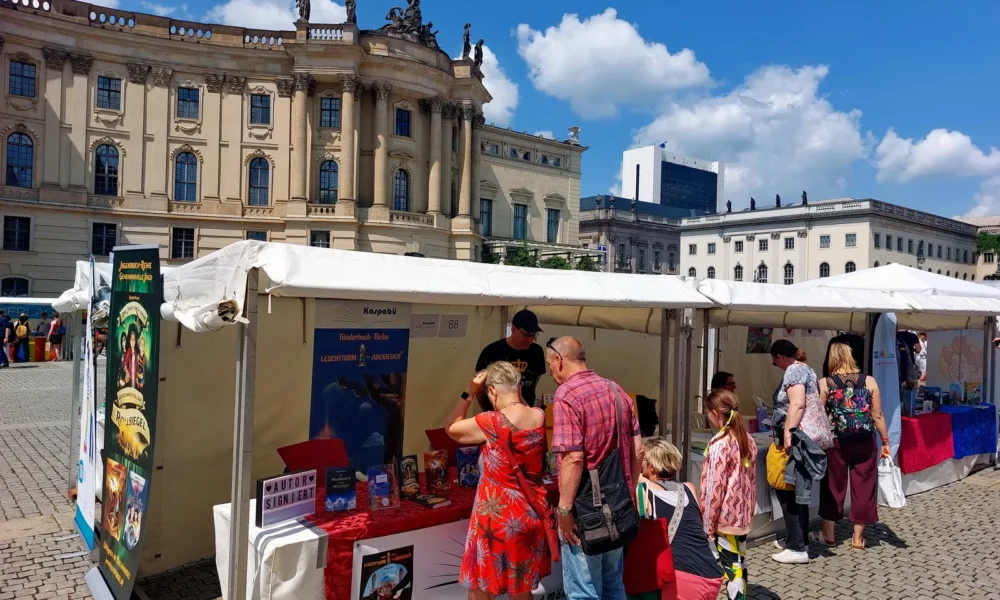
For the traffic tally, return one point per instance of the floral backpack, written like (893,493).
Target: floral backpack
(849,404)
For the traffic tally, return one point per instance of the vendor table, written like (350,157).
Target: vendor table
(974,428)
(924,441)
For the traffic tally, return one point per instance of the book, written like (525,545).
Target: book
(382,490)
(429,501)
(468,466)
(436,471)
(932,395)
(341,489)
(973,392)
(551,462)
(409,484)
(956,394)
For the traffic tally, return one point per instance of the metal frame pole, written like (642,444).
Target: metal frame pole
(676,419)
(246,371)
(992,358)
(664,370)
(685,399)
(76,402)
(987,363)
(703,386)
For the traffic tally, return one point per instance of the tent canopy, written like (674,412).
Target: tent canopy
(899,278)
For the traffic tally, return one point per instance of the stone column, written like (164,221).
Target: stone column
(465,191)
(231,173)
(77,109)
(299,156)
(477,152)
(447,128)
(434,182)
(348,150)
(135,114)
(381,90)
(158,116)
(55,60)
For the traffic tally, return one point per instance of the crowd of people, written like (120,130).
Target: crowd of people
(16,335)
(623,525)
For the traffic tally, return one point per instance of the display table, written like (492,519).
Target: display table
(974,429)
(924,441)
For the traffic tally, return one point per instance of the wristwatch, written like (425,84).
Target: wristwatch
(564,512)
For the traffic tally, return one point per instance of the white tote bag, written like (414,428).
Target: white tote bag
(890,484)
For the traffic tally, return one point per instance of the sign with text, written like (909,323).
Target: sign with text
(286,497)
(453,326)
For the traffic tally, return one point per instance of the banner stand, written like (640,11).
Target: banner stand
(98,588)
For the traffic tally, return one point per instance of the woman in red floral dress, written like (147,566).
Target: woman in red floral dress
(506,551)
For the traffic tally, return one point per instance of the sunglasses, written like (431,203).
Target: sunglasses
(549,345)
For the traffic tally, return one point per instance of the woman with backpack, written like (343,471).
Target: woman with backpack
(57,329)
(22,329)
(854,405)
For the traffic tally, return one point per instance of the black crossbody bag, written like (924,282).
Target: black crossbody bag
(606,518)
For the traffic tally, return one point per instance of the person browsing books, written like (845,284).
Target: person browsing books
(520,350)
(511,517)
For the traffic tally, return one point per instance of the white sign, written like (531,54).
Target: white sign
(453,326)
(86,486)
(334,314)
(287,497)
(424,326)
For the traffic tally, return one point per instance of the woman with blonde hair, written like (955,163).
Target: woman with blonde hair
(854,405)
(512,529)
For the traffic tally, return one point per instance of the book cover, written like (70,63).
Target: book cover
(956,393)
(932,395)
(551,462)
(341,489)
(382,490)
(973,392)
(436,471)
(409,484)
(432,502)
(468,466)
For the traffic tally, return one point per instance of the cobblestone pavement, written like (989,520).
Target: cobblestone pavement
(945,545)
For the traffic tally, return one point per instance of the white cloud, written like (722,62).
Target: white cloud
(106,3)
(775,133)
(546,134)
(273,14)
(602,62)
(159,9)
(942,153)
(987,199)
(501,109)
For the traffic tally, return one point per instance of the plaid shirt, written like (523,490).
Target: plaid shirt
(584,417)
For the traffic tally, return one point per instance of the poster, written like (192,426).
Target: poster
(86,467)
(387,575)
(955,358)
(360,355)
(886,374)
(133,345)
(758,340)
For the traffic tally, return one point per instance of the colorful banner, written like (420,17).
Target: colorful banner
(86,488)
(360,354)
(886,374)
(133,375)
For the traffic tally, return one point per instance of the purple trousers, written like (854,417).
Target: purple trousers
(855,456)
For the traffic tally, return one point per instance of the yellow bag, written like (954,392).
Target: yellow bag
(777,460)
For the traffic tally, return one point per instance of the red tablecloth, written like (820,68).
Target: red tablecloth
(925,441)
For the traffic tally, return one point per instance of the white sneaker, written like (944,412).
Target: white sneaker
(790,557)
(779,545)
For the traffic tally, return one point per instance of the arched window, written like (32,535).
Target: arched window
(738,273)
(850,267)
(965,276)
(692,272)
(973,278)
(948,274)
(260,177)
(876,265)
(328,182)
(186,177)
(14,287)
(824,270)
(20,155)
(789,274)
(106,171)
(762,273)
(710,273)
(401,191)
(939,271)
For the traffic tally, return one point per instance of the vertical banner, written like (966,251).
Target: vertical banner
(133,375)
(86,476)
(360,354)
(886,373)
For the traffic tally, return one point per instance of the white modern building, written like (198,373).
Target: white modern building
(653,174)
(820,239)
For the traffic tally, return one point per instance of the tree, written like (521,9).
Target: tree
(987,243)
(556,262)
(489,257)
(587,263)
(522,256)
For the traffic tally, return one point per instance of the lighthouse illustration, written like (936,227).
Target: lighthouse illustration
(361,356)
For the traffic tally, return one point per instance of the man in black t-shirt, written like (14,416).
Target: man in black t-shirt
(519,349)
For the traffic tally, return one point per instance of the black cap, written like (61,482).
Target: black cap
(526,321)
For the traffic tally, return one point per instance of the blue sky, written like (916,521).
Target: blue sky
(892,100)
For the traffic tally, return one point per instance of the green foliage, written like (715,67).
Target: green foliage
(988,242)
(587,263)
(556,262)
(521,256)
(489,257)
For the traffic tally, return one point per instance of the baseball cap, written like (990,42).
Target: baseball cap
(526,321)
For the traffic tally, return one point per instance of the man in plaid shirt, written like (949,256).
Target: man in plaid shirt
(584,417)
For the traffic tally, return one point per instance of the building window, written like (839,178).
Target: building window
(182,243)
(789,274)
(17,234)
(888,242)
(106,171)
(762,273)
(949,253)
(692,249)
(14,287)
(620,259)
(692,272)
(22,79)
(556,161)
(789,243)
(876,265)
(401,191)
(948,274)
(850,267)
(738,247)
(329,113)
(711,248)
(710,273)
(258,236)
(738,273)
(989,257)
(909,246)
(671,262)
(641,259)
(899,244)
(877,238)
(260,109)
(20,160)
(762,245)
(109,93)
(930,250)
(187,103)
(328,182)
(824,270)
(486,216)
(965,276)
(552,225)
(657,261)
(493,149)
(260,178)
(103,239)
(965,256)
(850,240)
(939,250)
(319,239)
(402,122)
(520,221)
(186,177)
(824,241)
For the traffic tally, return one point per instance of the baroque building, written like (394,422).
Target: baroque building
(124,128)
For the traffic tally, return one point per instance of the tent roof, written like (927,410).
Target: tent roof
(900,278)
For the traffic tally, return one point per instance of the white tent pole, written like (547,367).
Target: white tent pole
(664,369)
(76,402)
(987,363)
(991,327)
(703,386)
(246,371)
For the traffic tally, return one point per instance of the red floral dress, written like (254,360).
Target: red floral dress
(506,551)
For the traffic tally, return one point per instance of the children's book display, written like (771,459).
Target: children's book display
(382,490)
(409,484)
(436,471)
(468,466)
(341,490)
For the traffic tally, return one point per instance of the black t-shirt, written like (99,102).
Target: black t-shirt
(530,362)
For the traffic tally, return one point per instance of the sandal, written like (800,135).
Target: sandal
(817,536)
(864,544)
